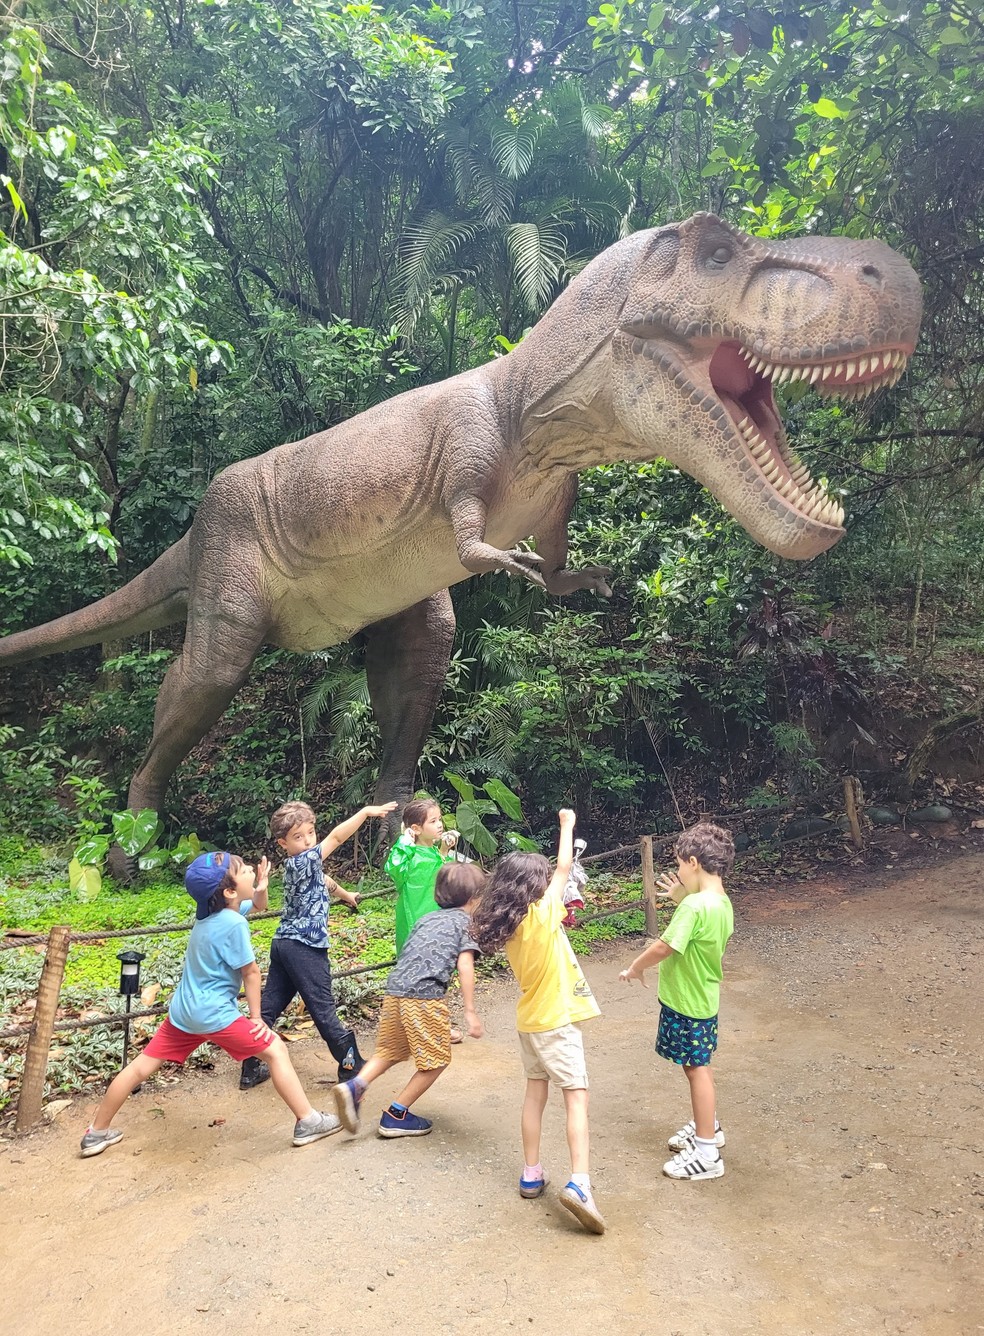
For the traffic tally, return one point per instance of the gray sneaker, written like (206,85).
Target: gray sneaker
(94,1143)
(314,1127)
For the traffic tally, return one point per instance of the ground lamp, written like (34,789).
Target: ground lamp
(129,987)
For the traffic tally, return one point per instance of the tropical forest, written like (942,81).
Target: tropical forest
(230,224)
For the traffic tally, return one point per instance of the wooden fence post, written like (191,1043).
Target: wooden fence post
(649,885)
(851,796)
(42,1027)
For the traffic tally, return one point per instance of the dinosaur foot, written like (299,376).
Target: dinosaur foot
(122,867)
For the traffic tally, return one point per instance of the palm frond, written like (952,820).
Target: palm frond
(427,253)
(595,118)
(513,147)
(537,253)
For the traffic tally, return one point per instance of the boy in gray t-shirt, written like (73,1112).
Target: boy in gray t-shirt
(415,1021)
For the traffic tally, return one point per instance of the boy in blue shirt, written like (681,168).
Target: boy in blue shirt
(204,1007)
(299,950)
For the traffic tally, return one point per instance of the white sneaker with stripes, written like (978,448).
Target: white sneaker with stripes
(685,1137)
(689,1164)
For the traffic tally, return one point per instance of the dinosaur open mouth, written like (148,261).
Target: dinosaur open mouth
(743,381)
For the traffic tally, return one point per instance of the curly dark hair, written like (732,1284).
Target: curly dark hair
(516,882)
(712,846)
(286,817)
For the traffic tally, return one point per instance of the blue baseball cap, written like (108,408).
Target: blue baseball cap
(204,877)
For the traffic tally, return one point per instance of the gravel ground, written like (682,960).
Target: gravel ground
(850,1081)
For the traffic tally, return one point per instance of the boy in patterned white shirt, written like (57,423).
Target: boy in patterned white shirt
(415,1021)
(299,950)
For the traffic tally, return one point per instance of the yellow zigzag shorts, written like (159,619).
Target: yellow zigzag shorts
(415,1027)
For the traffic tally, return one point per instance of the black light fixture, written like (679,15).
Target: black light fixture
(129,988)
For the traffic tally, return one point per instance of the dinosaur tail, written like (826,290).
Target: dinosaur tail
(156,597)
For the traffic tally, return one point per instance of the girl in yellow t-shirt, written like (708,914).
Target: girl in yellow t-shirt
(522,910)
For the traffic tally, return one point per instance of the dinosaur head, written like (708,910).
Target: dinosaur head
(714,319)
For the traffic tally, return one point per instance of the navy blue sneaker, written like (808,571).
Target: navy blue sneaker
(402,1124)
(348,1097)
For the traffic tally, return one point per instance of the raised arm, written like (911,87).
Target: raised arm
(565,853)
(346,829)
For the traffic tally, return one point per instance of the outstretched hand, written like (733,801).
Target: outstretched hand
(631,973)
(669,883)
(262,879)
(381,809)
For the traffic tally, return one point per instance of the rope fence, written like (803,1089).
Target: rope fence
(44,1025)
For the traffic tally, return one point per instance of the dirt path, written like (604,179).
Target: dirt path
(850,1078)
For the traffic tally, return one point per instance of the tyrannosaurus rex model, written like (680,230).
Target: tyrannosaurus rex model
(667,344)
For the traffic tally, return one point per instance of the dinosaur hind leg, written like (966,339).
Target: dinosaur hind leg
(214,663)
(407,660)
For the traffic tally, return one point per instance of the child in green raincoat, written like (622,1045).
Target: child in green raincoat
(414,862)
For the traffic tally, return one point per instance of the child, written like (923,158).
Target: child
(299,950)
(204,1009)
(414,862)
(689,955)
(415,1020)
(523,910)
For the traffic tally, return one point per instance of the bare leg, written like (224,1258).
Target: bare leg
(285,1080)
(123,1085)
(531,1122)
(375,1067)
(576,1105)
(702,1101)
(407,660)
(418,1084)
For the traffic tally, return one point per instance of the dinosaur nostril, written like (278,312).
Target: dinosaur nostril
(872,274)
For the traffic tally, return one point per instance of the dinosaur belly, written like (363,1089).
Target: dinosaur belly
(327,604)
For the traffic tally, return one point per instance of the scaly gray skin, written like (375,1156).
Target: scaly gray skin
(666,345)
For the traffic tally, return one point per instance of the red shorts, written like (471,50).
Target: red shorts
(173,1045)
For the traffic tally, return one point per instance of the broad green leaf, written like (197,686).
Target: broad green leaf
(84,880)
(91,852)
(461,786)
(472,829)
(521,842)
(136,831)
(188,847)
(829,110)
(507,800)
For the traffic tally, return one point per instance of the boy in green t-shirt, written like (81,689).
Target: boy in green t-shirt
(689,955)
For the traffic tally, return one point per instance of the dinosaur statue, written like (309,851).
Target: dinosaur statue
(667,344)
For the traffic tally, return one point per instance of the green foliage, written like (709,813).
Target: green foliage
(471,812)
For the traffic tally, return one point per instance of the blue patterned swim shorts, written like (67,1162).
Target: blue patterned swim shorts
(685,1040)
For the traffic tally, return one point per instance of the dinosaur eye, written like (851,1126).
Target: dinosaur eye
(719,257)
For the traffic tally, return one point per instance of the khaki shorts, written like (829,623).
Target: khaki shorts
(415,1027)
(555,1055)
